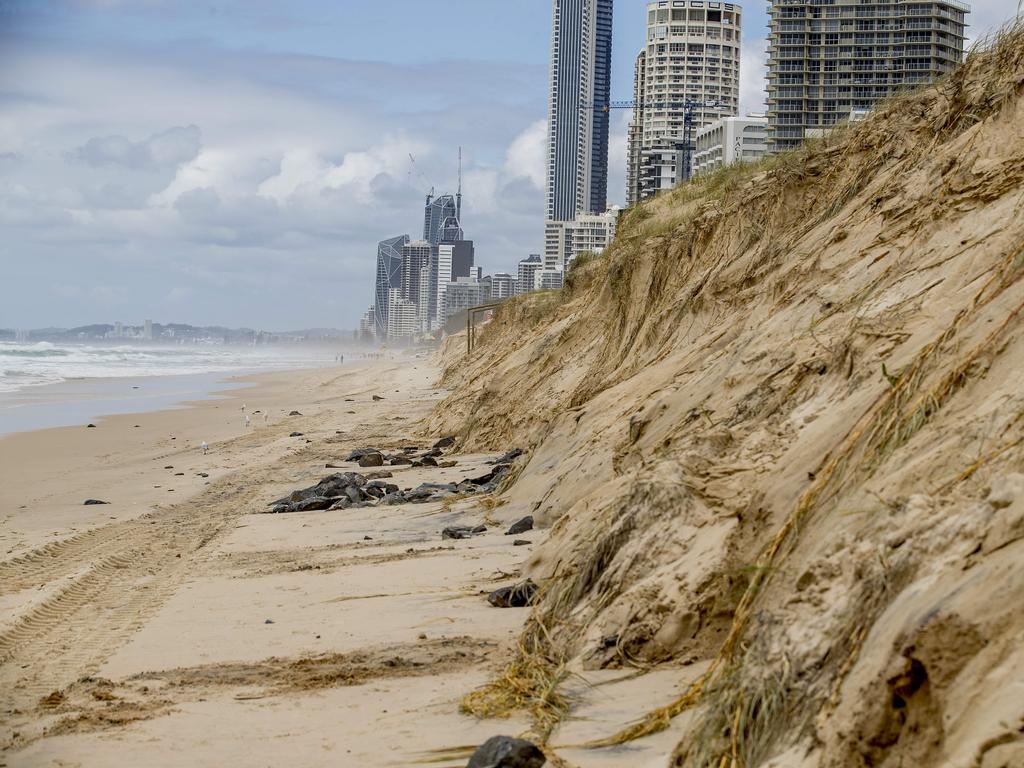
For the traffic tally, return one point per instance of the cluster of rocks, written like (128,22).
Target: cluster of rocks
(409,456)
(338,491)
(351,489)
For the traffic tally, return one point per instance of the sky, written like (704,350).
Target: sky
(234,162)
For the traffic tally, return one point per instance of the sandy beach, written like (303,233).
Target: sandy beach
(183,627)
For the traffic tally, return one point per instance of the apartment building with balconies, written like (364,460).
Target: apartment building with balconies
(828,60)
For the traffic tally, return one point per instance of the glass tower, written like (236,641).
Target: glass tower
(389,276)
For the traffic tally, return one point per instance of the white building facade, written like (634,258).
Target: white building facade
(692,55)
(403,316)
(730,140)
(587,233)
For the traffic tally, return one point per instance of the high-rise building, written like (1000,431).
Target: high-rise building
(587,233)
(441,219)
(389,276)
(147,330)
(636,131)
(730,140)
(826,61)
(528,267)
(581,46)
(416,256)
(503,286)
(368,324)
(402,316)
(454,260)
(692,56)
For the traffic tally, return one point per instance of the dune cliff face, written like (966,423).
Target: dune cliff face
(778,431)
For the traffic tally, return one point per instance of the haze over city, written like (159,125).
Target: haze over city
(236,163)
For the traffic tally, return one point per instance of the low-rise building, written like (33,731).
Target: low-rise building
(549,280)
(463,293)
(528,268)
(503,285)
(587,233)
(730,140)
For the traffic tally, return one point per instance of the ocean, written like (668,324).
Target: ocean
(33,365)
(50,385)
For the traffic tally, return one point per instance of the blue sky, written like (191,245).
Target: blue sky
(235,161)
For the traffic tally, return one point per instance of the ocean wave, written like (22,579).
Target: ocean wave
(30,365)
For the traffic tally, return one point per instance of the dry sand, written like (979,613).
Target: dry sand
(180,626)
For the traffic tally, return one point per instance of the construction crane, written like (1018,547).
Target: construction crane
(688,107)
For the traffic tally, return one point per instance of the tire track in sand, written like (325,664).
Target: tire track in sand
(125,576)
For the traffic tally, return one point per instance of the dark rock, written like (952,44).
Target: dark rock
(377,398)
(480,529)
(410,449)
(445,442)
(392,499)
(169,466)
(354,494)
(522,526)
(294,413)
(466,487)
(358,453)
(509,457)
(367,538)
(283,508)
(179,474)
(435,452)
(457,532)
(295,434)
(315,503)
(507,752)
(90,426)
(343,503)
(203,474)
(378,475)
(447,464)
(517,596)
(401,461)
(520,543)
(372,460)
(374,491)
(451,487)
(428,461)
(94,502)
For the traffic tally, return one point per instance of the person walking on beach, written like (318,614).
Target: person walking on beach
(246,420)
(206,448)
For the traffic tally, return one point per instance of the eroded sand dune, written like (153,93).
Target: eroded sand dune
(778,429)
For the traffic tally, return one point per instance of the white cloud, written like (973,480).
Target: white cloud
(526,154)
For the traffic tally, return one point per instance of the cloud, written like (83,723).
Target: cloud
(526,154)
(166,149)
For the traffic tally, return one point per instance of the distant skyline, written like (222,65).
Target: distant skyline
(235,162)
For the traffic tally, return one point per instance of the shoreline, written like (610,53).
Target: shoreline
(72,401)
(130,451)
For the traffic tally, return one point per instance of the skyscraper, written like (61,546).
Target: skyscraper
(581,47)
(692,54)
(440,219)
(829,61)
(389,276)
